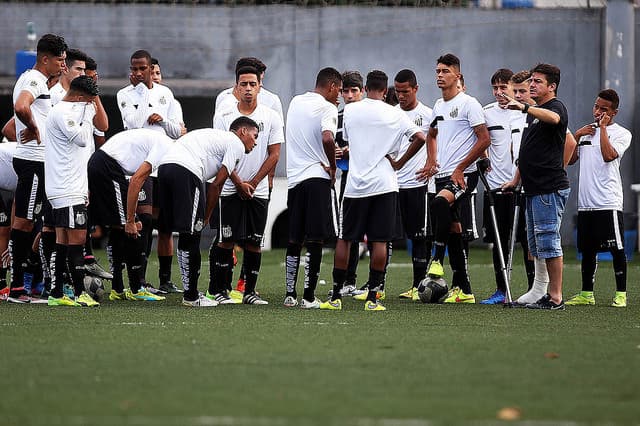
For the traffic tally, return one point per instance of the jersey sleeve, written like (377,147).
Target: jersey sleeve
(35,88)
(475,114)
(76,131)
(276,134)
(330,120)
(621,142)
(232,155)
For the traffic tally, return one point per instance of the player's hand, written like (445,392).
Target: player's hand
(28,135)
(134,81)
(512,104)
(604,120)
(132,229)
(338,153)
(589,129)
(394,163)
(509,186)
(457,177)
(430,169)
(245,190)
(154,118)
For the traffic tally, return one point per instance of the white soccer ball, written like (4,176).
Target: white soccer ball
(94,287)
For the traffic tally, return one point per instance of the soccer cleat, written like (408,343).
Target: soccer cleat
(332,305)
(620,300)
(290,302)
(236,295)
(582,298)
(222,298)
(457,296)
(201,302)
(61,301)
(409,294)
(380,295)
(453,291)
(373,306)
(4,293)
(169,287)
(93,268)
(39,300)
(305,304)
(85,300)
(496,298)
(253,299)
(18,296)
(143,295)
(150,288)
(68,291)
(435,269)
(546,303)
(114,295)
(240,285)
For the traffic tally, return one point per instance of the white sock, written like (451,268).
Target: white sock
(540,283)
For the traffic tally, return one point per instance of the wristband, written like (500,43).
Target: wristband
(525,109)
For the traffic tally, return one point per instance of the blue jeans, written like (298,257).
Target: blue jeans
(544,216)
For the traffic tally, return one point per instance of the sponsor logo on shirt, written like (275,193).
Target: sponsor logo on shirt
(142,195)
(33,83)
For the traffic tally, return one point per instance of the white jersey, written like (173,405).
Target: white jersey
(308,116)
(35,83)
(421,117)
(133,147)
(373,129)
(138,102)
(226,99)
(69,131)
(501,152)
(271,132)
(57,92)
(455,119)
(8,177)
(204,151)
(600,184)
(518,124)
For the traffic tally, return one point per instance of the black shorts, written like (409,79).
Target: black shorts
(312,211)
(107,190)
(504,210)
(74,217)
(154,192)
(242,221)
(145,196)
(47,214)
(413,210)
(464,207)
(5,209)
(600,230)
(181,200)
(375,216)
(29,195)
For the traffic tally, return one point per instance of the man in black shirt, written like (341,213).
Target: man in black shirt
(543,176)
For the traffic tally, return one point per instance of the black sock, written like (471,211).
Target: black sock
(313,270)
(339,277)
(75,262)
(588,268)
(164,273)
(458,261)
(133,256)
(441,214)
(352,266)
(429,243)
(251,267)
(19,247)
(58,268)
(620,269)
(220,261)
(115,253)
(190,261)
(88,248)
(375,284)
(46,246)
(292,263)
(419,260)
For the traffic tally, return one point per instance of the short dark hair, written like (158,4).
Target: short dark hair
(75,55)
(250,61)
(377,81)
(84,84)
(52,44)
(391,97)
(461,78)
(551,73)
(406,76)
(328,75)
(503,75)
(247,70)
(352,79)
(521,76)
(139,54)
(154,61)
(450,60)
(91,64)
(611,96)
(243,121)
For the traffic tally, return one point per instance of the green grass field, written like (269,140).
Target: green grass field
(133,363)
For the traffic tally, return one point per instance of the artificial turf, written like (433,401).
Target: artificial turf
(135,363)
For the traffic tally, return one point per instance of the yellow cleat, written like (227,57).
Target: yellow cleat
(409,294)
(373,306)
(61,301)
(332,305)
(582,298)
(435,269)
(143,295)
(620,300)
(85,300)
(236,295)
(457,296)
(114,295)
(380,295)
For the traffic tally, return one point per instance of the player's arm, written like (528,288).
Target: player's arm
(431,166)
(329,146)
(417,141)
(9,130)
(542,114)
(214,190)
(570,155)
(482,143)
(135,184)
(100,120)
(273,155)
(513,183)
(609,153)
(22,109)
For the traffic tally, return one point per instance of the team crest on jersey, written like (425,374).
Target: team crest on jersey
(261,127)
(163,101)
(226,232)
(142,195)
(419,121)
(198,225)
(3,217)
(71,123)
(33,83)
(81,218)
(37,208)
(453,113)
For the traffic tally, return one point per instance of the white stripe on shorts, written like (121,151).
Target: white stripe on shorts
(123,219)
(32,197)
(71,221)
(334,214)
(616,230)
(194,211)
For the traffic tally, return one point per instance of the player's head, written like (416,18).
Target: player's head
(156,73)
(247,130)
(329,84)
(250,61)
(75,64)
(545,80)
(84,87)
(248,84)
(520,83)
(51,53)
(460,84)
(607,102)
(376,84)
(447,71)
(91,68)
(352,85)
(141,66)
(405,85)
(501,84)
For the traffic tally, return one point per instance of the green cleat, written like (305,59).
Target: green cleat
(457,296)
(435,269)
(236,295)
(61,301)
(114,295)
(143,295)
(332,305)
(620,300)
(85,300)
(380,295)
(409,294)
(373,306)
(582,298)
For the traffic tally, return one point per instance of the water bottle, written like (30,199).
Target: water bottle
(31,37)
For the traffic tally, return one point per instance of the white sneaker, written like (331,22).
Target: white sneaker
(305,304)
(290,302)
(201,302)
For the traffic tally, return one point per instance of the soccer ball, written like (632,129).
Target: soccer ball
(431,290)
(94,287)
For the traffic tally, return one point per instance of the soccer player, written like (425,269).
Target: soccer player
(544,179)
(114,199)
(459,136)
(75,65)
(245,196)
(311,169)
(8,182)
(601,145)
(197,157)
(31,100)
(375,132)
(69,129)
(412,195)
